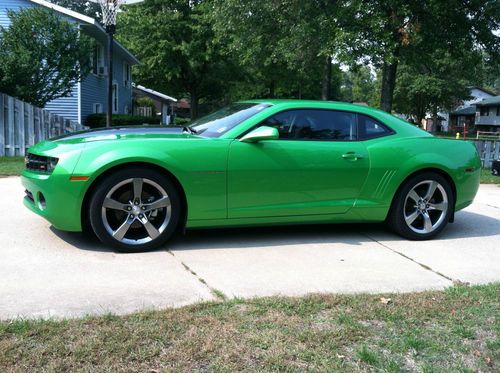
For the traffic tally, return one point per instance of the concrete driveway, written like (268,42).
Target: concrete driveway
(45,273)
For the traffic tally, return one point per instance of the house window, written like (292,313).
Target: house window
(97,108)
(485,111)
(98,60)
(498,111)
(115,98)
(127,74)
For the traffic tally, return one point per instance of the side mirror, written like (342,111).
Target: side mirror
(261,133)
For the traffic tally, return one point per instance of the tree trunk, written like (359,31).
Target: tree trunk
(388,83)
(326,84)
(194,104)
(272,85)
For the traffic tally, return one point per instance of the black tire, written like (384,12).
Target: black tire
(143,226)
(402,210)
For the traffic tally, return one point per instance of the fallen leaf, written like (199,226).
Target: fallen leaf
(385,300)
(340,356)
(453,312)
(488,361)
(477,353)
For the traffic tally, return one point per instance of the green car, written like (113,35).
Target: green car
(260,162)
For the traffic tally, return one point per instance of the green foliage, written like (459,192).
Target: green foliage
(181,55)
(146,102)
(99,120)
(281,45)
(359,85)
(42,56)
(87,8)
(179,121)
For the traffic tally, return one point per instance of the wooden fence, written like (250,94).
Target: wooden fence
(23,125)
(489,150)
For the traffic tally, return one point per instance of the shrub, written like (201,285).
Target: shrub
(179,121)
(99,120)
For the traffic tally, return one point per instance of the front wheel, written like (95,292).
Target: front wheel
(422,207)
(135,210)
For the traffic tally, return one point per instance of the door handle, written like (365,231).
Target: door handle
(352,156)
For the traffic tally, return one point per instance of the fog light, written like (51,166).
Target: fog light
(42,204)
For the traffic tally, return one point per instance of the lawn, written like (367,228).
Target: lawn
(454,330)
(14,166)
(10,166)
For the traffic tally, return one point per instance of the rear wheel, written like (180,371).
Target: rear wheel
(135,210)
(422,207)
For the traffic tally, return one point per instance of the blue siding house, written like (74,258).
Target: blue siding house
(90,95)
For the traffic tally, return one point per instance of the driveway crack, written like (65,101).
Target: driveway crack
(426,267)
(215,292)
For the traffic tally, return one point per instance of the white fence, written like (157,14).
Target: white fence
(489,150)
(23,125)
(143,111)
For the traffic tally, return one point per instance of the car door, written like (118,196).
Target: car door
(315,167)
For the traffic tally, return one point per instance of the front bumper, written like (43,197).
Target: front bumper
(55,198)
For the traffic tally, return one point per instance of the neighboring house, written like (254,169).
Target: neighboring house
(90,95)
(488,115)
(464,113)
(164,104)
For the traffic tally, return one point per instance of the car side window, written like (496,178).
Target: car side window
(369,128)
(310,124)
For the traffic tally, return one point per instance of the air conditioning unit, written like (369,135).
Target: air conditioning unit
(102,71)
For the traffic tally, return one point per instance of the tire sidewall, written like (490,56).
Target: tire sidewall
(109,182)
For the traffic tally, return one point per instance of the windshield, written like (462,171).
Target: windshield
(221,121)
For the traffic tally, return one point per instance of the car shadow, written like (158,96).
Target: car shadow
(467,224)
(82,241)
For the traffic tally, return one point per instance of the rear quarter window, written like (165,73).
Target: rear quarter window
(370,128)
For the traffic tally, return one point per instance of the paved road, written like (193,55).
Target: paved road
(46,273)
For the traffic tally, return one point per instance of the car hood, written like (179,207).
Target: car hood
(118,133)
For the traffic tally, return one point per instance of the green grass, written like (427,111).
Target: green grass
(488,178)
(11,166)
(456,330)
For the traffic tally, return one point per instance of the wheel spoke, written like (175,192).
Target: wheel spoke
(414,195)
(411,218)
(137,182)
(113,204)
(432,189)
(442,206)
(123,229)
(427,222)
(152,231)
(162,202)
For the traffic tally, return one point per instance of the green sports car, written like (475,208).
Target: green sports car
(257,162)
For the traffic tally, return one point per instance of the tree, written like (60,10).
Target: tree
(283,42)
(42,56)
(359,85)
(438,83)
(175,42)
(87,8)
(391,32)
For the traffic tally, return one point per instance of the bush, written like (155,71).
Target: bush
(179,121)
(99,120)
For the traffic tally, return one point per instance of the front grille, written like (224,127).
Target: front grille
(40,163)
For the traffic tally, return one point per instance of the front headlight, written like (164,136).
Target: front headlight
(40,163)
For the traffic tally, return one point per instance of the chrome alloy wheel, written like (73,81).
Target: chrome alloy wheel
(426,206)
(136,211)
